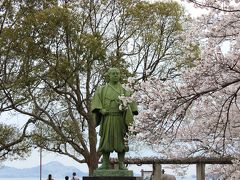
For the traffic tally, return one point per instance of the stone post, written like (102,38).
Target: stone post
(200,171)
(157,171)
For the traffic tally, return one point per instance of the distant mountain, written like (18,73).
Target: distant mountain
(55,168)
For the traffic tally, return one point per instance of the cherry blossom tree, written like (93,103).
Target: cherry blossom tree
(197,113)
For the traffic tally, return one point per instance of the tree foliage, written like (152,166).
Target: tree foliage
(54,54)
(13,142)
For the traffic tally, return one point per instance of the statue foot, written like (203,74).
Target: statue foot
(102,167)
(122,166)
(105,163)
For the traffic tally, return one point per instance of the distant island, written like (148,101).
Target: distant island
(55,168)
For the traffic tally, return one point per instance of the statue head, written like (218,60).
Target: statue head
(113,75)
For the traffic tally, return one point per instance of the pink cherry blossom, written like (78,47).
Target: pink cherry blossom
(198,112)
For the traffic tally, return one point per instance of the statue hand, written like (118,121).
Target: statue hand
(103,111)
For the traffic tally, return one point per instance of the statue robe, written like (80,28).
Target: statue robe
(114,125)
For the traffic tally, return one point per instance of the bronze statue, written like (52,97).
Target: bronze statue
(113,120)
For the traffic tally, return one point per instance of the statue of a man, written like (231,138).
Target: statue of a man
(113,121)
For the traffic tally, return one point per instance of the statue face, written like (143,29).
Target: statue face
(114,75)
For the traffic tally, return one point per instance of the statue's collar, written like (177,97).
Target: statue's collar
(119,88)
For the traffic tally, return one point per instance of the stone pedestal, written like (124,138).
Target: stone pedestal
(113,172)
(110,178)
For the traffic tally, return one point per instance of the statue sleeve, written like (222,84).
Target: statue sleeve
(131,110)
(96,101)
(96,105)
(134,109)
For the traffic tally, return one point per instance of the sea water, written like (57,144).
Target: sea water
(34,178)
(29,178)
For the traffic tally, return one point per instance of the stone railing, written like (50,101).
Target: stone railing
(157,162)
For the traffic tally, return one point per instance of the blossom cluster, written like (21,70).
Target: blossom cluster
(198,112)
(124,102)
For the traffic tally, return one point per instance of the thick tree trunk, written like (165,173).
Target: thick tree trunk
(93,163)
(93,155)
